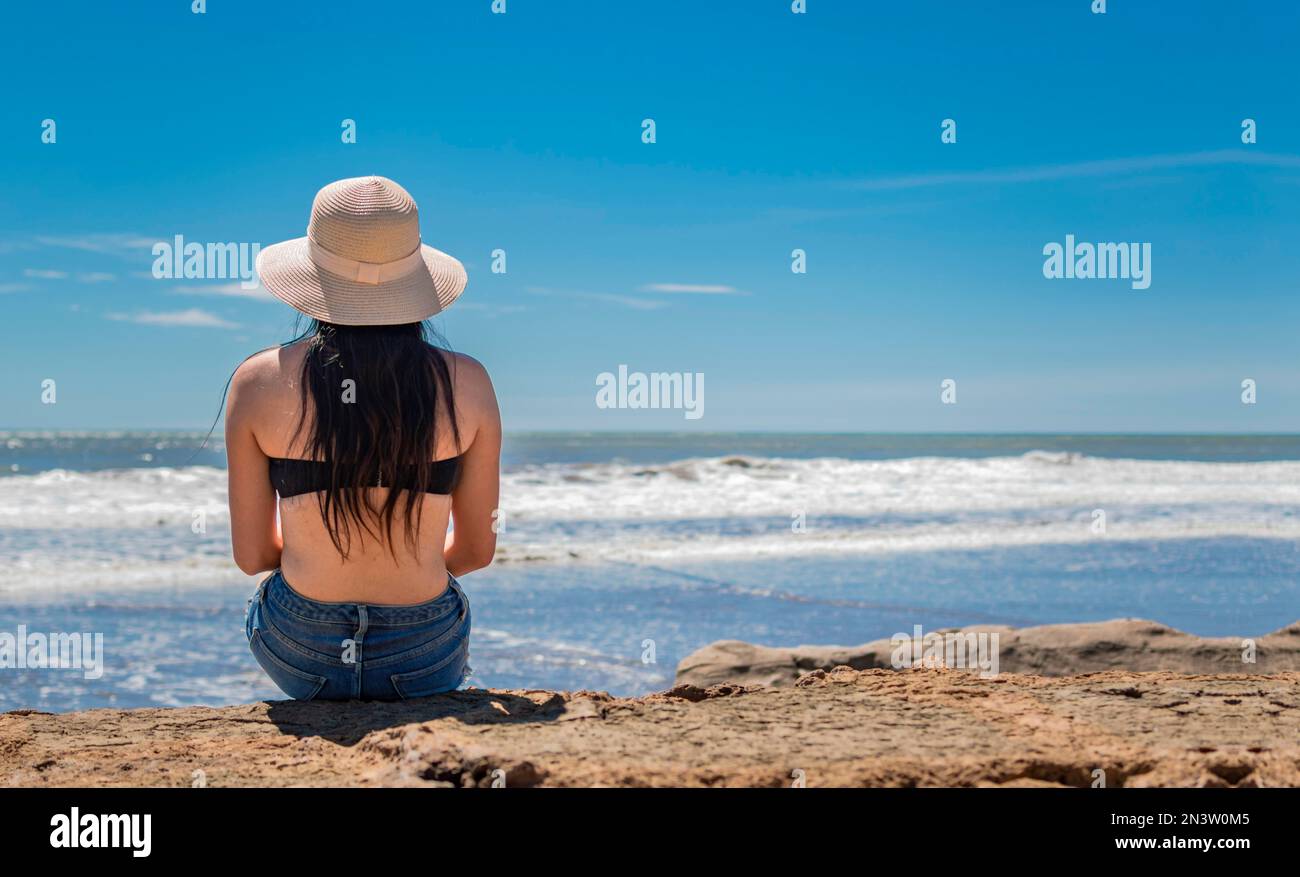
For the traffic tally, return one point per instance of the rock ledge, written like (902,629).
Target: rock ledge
(842,727)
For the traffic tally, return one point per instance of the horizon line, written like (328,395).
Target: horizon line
(5,430)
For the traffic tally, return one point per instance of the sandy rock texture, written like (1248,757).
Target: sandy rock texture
(1050,650)
(916,727)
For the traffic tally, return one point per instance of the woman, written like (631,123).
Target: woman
(374,441)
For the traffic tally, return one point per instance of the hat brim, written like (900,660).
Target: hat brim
(288,273)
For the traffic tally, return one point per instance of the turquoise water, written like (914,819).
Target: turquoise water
(39,451)
(623,553)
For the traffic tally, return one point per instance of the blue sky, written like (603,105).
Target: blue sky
(775,131)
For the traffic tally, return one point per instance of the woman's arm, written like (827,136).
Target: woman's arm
(472,542)
(254,529)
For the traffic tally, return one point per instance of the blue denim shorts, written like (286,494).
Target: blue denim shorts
(356,651)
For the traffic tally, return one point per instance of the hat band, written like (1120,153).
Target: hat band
(370,273)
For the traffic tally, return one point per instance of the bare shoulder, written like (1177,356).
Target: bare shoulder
(265,374)
(476,400)
(469,376)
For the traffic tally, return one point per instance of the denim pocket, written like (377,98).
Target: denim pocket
(445,675)
(297,684)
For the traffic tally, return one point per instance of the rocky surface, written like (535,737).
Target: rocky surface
(1050,650)
(916,727)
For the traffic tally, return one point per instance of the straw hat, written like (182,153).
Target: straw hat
(362,262)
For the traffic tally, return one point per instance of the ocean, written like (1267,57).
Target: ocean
(620,554)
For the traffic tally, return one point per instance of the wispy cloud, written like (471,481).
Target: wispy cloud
(492,310)
(111,243)
(13,287)
(235,290)
(193,317)
(1101,168)
(693,288)
(53,274)
(627,301)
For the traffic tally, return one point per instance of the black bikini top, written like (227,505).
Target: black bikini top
(294,477)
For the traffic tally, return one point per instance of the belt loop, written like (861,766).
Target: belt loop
(363,624)
(359,643)
(261,589)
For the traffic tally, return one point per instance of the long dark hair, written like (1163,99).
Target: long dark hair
(372,398)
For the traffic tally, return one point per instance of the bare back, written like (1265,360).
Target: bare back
(262,423)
